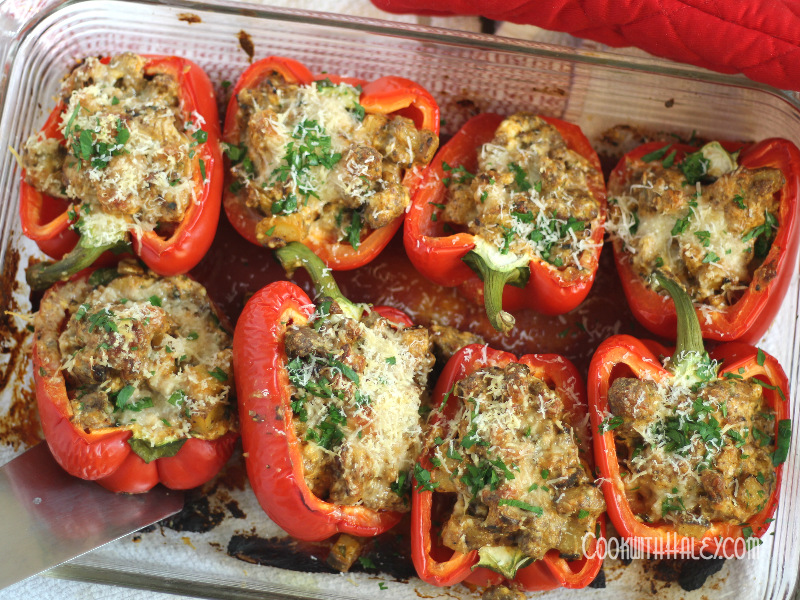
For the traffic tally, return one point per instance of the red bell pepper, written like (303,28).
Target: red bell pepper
(104,455)
(49,221)
(749,318)
(442,566)
(452,260)
(387,96)
(623,355)
(271,447)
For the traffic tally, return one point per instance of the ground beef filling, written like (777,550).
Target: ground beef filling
(710,235)
(141,353)
(125,159)
(530,197)
(314,164)
(511,457)
(357,388)
(690,458)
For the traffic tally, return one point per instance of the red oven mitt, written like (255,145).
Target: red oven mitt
(760,38)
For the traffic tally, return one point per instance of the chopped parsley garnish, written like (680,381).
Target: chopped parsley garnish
(704,237)
(218,374)
(670,160)
(609,423)
(739,201)
(81,312)
(192,335)
(155,300)
(285,206)
(103,319)
(354,230)
(312,148)
(391,360)
(457,174)
(672,504)
(521,178)
(235,153)
(177,398)
(537,510)
(782,443)
(582,514)
(328,434)
(656,154)
(423,477)
(694,167)
(402,484)
(760,357)
(710,257)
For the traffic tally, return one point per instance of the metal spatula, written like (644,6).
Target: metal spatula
(48,517)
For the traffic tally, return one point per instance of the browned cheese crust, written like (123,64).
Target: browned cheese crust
(512,459)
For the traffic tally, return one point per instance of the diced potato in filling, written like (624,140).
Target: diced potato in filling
(357,388)
(512,458)
(707,229)
(315,165)
(531,197)
(693,457)
(141,353)
(126,160)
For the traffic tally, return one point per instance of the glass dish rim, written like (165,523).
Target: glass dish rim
(83,569)
(421,33)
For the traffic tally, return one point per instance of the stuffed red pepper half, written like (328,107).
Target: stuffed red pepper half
(330,397)
(504,480)
(325,160)
(518,201)
(690,452)
(720,219)
(133,379)
(130,154)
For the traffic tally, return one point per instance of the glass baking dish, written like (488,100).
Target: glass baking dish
(467,73)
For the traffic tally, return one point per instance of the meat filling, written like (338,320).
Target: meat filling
(126,156)
(512,457)
(691,458)
(531,197)
(708,232)
(313,163)
(357,388)
(140,353)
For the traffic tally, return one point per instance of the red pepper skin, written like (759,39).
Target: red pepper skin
(387,96)
(749,318)
(437,255)
(626,356)
(441,566)
(271,447)
(103,455)
(45,219)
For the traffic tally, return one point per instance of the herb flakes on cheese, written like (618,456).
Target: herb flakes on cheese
(315,165)
(706,221)
(128,157)
(357,388)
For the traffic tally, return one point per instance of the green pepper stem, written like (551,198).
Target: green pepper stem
(690,362)
(690,337)
(494,280)
(295,255)
(44,274)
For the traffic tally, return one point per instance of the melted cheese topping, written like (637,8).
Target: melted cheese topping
(709,236)
(530,198)
(689,456)
(511,455)
(378,383)
(129,158)
(147,355)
